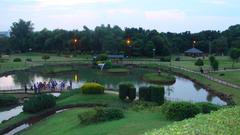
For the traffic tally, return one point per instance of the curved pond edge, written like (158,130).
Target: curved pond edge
(225,97)
(47,113)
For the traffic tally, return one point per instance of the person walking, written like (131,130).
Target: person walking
(25,88)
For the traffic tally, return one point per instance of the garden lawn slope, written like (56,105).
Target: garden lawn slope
(222,122)
(67,123)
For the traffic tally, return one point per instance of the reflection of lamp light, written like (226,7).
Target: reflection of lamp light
(76,78)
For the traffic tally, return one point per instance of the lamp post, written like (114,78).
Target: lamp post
(154,52)
(209,46)
(128,42)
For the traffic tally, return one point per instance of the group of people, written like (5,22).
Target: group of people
(51,85)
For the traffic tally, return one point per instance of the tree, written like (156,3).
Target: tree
(20,35)
(213,63)
(234,55)
(45,58)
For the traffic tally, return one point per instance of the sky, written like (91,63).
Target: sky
(162,15)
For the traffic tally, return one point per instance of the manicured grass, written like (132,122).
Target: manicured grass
(7,63)
(109,99)
(56,69)
(229,76)
(159,78)
(222,122)
(118,70)
(67,123)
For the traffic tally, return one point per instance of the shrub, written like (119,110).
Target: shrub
(165,59)
(108,65)
(7,100)
(100,115)
(45,57)
(125,89)
(199,62)
(132,93)
(102,57)
(177,59)
(29,59)
(157,94)
(144,94)
(207,107)
(17,60)
(92,88)
(39,103)
(180,110)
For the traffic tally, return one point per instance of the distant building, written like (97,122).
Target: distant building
(116,58)
(4,34)
(193,52)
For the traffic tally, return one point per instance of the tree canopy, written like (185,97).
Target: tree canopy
(112,39)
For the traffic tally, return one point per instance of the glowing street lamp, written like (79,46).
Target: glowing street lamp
(128,42)
(194,42)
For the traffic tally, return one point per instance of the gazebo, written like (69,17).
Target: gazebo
(193,52)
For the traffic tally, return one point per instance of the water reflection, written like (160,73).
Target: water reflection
(183,89)
(5,115)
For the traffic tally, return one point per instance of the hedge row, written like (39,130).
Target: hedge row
(127,90)
(152,93)
(184,110)
(39,103)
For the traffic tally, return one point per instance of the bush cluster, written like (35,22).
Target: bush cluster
(207,107)
(17,60)
(183,110)
(127,90)
(100,115)
(152,93)
(7,100)
(165,59)
(29,60)
(92,88)
(39,103)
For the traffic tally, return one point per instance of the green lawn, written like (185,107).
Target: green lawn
(67,123)
(229,76)
(7,63)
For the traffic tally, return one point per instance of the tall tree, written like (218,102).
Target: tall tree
(20,35)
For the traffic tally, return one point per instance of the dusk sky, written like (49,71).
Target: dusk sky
(162,15)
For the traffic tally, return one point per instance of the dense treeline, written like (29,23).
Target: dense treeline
(114,40)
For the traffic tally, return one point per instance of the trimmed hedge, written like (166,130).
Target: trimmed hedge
(144,94)
(180,110)
(7,100)
(157,94)
(39,103)
(92,88)
(100,115)
(127,90)
(17,60)
(152,93)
